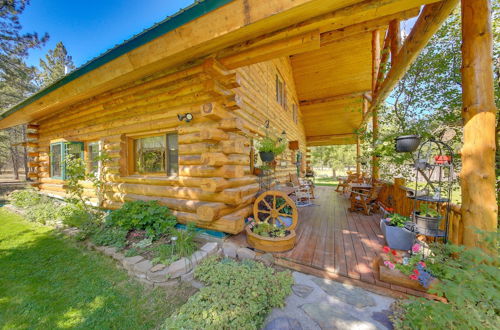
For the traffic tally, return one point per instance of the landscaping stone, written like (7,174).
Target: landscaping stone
(352,295)
(198,256)
(328,316)
(169,283)
(180,267)
(159,276)
(210,248)
(118,256)
(129,262)
(145,281)
(302,290)
(197,284)
(109,251)
(383,318)
(188,277)
(266,258)
(141,268)
(157,268)
(244,253)
(229,249)
(283,323)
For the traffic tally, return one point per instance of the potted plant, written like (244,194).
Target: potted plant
(269,148)
(395,233)
(407,143)
(427,220)
(269,237)
(261,170)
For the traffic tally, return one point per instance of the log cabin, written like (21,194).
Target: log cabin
(178,107)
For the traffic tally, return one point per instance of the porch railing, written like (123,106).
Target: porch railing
(394,195)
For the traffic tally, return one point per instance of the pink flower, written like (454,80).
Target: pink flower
(389,264)
(415,248)
(413,277)
(386,249)
(421,263)
(416,272)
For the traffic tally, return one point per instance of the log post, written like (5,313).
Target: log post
(358,154)
(477,178)
(395,36)
(375,70)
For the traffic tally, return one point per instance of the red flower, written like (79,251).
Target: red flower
(394,253)
(421,263)
(416,272)
(413,277)
(386,249)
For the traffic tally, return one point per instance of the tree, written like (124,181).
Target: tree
(56,64)
(16,78)
(335,157)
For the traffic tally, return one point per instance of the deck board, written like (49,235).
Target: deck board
(332,239)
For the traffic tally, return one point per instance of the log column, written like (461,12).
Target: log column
(375,70)
(477,178)
(358,154)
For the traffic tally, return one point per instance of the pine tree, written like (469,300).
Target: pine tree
(56,64)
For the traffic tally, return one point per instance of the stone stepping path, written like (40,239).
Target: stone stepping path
(317,303)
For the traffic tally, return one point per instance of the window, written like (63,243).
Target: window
(280,91)
(295,113)
(61,151)
(93,153)
(157,154)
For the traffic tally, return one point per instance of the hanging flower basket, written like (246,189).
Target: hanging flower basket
(407,143)
(266,156)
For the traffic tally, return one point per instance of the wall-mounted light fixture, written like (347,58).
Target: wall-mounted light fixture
(187,117)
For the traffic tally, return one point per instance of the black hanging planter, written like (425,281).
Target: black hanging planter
(427,225)
(266,156)
(407,143)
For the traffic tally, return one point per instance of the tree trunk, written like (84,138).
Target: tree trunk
(477,178)
(334,174)
(15,159)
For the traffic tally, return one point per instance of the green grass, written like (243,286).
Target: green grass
(328,181)
(49,282)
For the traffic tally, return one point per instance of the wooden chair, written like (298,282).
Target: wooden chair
(344,184)
(303,188)
(365,201)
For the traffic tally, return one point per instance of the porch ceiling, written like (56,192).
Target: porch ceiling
(330,82)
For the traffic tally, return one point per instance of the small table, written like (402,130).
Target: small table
(360,186)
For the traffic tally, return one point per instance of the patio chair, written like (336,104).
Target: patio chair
(344,184)
(304,191)
(365,201)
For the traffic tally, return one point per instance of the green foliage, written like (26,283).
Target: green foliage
(268,144)
(110,236)
(74,215)
(237,296)
(336,157)
(55,66)
(26,198)
(398,220)
(150,216)
(184,246)
(469,280)
(428,211)
(265,229)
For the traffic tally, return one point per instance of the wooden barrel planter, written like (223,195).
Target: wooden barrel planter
(275,208)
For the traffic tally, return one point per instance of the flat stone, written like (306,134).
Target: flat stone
(302,290)
(349,294)
(266,258)
(118,256)
(143,267)
(210,248)
(159,276)
(229,249)
(197,284)
(331,317)
(198,256)
(180,267)
(382,317)
(188,277)
(109,251)
(145,281)
(167,284)
(244,253)
(283,323)
(129,262)
(100,248)
(157,268)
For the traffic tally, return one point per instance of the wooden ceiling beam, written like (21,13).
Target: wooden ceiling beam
(367,26)
(428,22)
(331,99)
(317,138)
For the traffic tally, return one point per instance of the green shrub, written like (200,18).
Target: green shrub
(184,246)
(74,215)
(149,216)
(469,280)
(46,211)
(25,198)
(237,296)
(110,236)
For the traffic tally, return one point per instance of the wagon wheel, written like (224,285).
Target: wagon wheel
(275,207)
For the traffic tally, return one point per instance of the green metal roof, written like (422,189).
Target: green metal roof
(186,15)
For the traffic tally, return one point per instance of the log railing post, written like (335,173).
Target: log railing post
(358,154)
(477,178)
(375,69)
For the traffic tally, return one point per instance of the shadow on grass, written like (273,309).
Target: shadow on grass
(49,282)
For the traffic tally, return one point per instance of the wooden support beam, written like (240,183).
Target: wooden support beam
(395,37)
(384,59)
(367,26)
(428,22)
(358,155)
(214,111)
(332,98)
(477,178)
(319,138)
(376,35)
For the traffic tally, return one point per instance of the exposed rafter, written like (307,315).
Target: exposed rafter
(335,98)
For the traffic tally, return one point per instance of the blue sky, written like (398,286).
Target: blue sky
(88,28)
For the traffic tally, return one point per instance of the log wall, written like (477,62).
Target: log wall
(215,186)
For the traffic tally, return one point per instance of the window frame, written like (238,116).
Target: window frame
(88,155)
(64,153)
(132,155)
(281,95)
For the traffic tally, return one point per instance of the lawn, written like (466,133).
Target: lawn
(327,181)
(49,282)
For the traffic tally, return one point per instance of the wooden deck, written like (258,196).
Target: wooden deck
(334,240)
